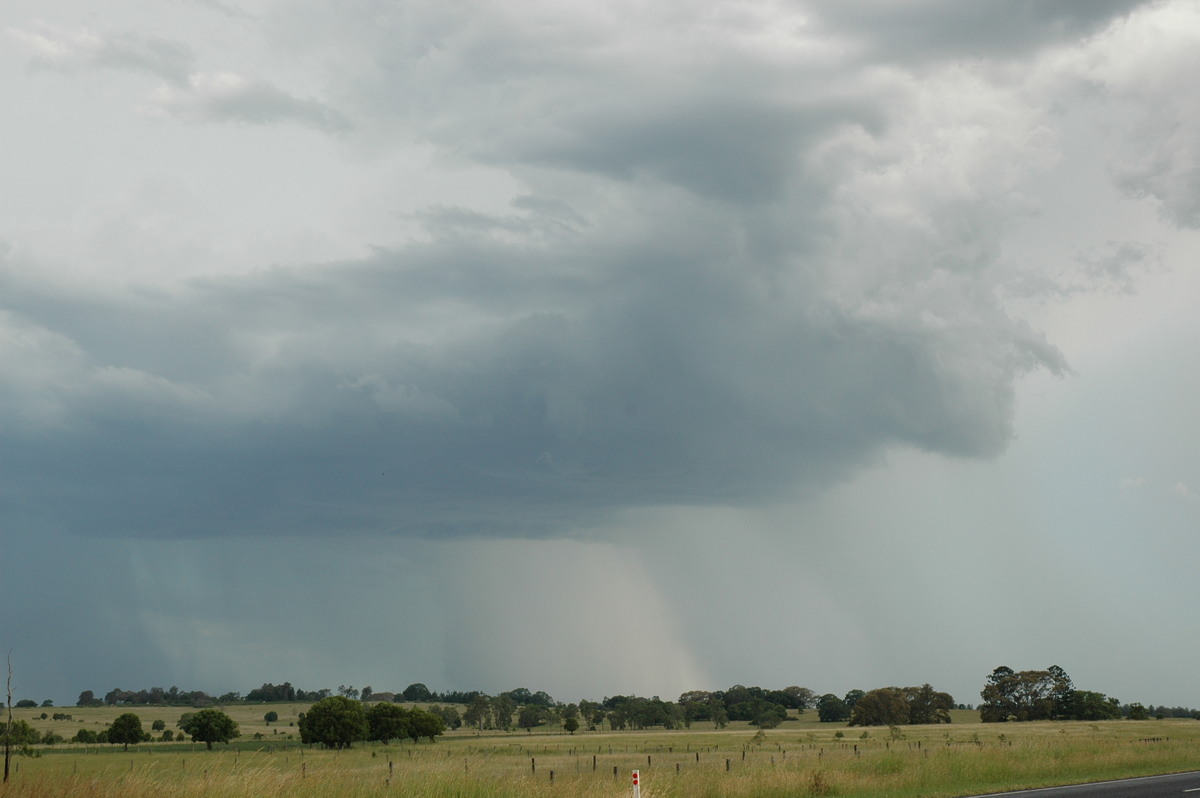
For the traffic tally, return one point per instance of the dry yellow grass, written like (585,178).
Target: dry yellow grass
(800,758)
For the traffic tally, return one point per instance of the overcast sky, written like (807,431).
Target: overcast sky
(599,348)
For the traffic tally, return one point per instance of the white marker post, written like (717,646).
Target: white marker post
(637,784)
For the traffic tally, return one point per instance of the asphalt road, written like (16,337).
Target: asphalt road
(1178,785)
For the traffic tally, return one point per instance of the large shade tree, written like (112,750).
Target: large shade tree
(334,722)
(210,726)
(126,729)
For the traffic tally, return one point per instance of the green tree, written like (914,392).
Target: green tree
(271,717)
(885,706)
(158,725)
(126,729)
(831,709)
(449,716)
(1062,691)
(768,716)
(334,722)
(531,715)
(718,713)
(424,724)
(570,725)
(210,726)
(589,710)
(1028,695)
(801,697)
(417,692)
(19,734)
(926,705)
(88,699)
(1089,705)
(479,713)
(852,697)
(502,712)
(387,721)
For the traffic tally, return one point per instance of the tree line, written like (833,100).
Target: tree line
(1049,694)
(1007,695)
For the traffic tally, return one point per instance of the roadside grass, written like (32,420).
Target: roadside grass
(801,758)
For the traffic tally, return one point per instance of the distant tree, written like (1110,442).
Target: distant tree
(84,736)
(1138,712)
(387,721)
(210,726)
(768,716)
(479,713)
(831,709)
(852,697)
(88,699)
(502,712)
(1038,695)
(570,725)
(926,705)
(158,725)
(718,713)
(424,724)
(885,706)
(588,710)
(520,695)
(349,691)
(1089,705)
(26,703)
(999,696)
(366,694)
(449,716)
(417,693)
(334,722)
(1062,691)
(531,715)
(271,717)
(802,697)
(49,702)
(126,729)
(272,692)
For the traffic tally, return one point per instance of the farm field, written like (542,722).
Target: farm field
(802,757)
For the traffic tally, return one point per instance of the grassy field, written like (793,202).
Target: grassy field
(802,757)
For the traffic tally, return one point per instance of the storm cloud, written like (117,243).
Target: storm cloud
(560,286)
(731,280)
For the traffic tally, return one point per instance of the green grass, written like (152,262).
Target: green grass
(800,758)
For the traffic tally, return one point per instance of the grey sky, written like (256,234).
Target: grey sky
(850,335)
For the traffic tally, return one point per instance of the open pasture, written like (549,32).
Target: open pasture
(800,758)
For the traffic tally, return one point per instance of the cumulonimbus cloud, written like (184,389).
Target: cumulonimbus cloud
(740,275)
